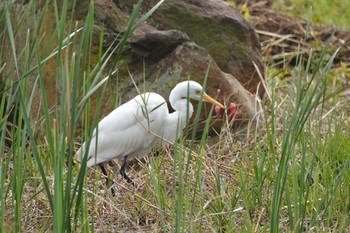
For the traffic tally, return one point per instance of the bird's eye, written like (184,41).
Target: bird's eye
(198,92)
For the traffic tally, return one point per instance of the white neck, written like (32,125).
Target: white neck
(182,107)
(177,120)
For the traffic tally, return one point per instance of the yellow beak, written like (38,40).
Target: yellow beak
(209,99)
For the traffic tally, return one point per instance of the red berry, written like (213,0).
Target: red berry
(233,109)
(217,110)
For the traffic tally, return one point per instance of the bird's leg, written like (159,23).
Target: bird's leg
(104,171)
(122,171)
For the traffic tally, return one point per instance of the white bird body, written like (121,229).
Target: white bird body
(124,132)
(133,128)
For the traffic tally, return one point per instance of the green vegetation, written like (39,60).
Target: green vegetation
(326,12)
(292,176)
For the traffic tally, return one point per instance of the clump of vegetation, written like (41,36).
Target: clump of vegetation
(326,12)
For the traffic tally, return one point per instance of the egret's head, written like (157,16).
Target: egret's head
(194,90)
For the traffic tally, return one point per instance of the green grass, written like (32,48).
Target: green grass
(291,176)
(326,12)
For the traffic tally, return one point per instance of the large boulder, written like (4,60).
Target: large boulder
(219,28)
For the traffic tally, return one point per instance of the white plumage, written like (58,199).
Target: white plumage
(135,127)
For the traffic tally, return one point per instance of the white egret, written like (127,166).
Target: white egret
(133,128)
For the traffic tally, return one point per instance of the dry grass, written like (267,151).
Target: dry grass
(232,201)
